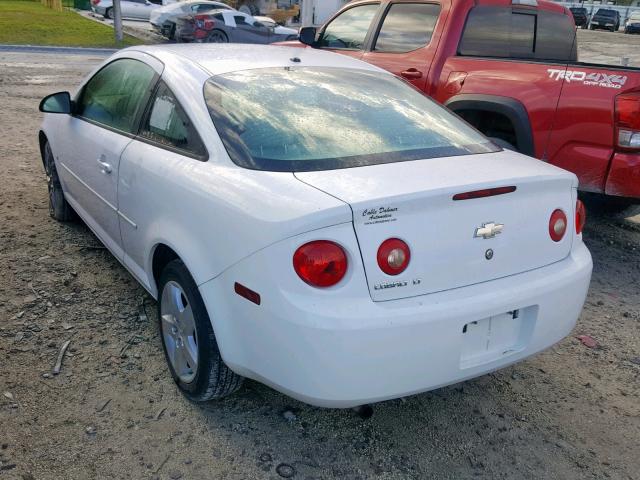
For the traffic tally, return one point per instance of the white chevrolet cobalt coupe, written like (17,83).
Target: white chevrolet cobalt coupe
(312,222)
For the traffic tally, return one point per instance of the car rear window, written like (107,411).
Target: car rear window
(304,119)
(508,32)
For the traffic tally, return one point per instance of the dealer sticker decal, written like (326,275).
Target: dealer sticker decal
(590,79)
(379,215)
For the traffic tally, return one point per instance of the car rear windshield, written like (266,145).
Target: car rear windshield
(304,119)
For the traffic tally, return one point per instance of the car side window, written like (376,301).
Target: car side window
(349,29)
(116,95)
(167,123)
(240,20)
(496,31)
(407,26)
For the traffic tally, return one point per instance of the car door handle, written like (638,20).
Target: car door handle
(104,166)
(411,74)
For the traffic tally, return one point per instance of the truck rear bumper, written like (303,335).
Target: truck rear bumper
(624,175)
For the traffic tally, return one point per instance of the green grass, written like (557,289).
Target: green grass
(25,22)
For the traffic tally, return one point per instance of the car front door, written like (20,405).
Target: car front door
(106,116)
(128,8)
(405,44)
(248,30)
(348,31)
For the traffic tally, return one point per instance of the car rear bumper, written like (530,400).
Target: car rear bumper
(356,351)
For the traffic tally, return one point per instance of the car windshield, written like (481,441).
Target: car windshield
(303,119)
(606,13)
(635,16)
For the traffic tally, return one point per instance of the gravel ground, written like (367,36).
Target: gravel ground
(113,412)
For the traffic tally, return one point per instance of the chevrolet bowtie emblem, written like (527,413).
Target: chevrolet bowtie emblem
(489,230)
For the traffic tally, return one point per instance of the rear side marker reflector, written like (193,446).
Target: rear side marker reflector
(247,293)
(487,192)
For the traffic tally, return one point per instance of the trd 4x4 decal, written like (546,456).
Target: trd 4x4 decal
(593,79)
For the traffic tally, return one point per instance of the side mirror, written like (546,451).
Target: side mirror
(307,35)
(56,103)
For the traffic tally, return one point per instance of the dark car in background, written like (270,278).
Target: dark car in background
(632,25)
(230,26)
(607,19)
(580,16)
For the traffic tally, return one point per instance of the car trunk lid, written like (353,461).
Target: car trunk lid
(413,201)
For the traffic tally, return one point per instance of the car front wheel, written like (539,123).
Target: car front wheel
(190,346)
(108,13)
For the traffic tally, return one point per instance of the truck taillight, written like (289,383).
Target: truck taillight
(628,120)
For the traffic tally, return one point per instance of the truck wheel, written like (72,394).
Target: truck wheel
(606,204)
(59,208)
(189,344)
(108,13)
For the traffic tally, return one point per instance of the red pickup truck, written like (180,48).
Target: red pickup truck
(510,69)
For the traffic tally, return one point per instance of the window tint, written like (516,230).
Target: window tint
(115,95)
(349,29)
(523,31)
(494,31)
(240,20)
(303,119)
(168,124)
(407,26)
(606,13)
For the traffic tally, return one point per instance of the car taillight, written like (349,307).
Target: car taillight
(95,2)
(393,256)
(321,263)
(581,216)
(557,225)
(628,120)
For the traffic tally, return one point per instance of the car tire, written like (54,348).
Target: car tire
(217,36)
(108,13)
(172,32)
(188,340)
(59,208)
(591,27)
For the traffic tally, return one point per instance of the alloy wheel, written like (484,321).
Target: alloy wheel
(179,332)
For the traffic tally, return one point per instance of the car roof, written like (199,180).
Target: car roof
(218,59)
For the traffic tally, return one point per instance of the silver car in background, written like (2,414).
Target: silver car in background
(131,9)
(163,19)
(229,26)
